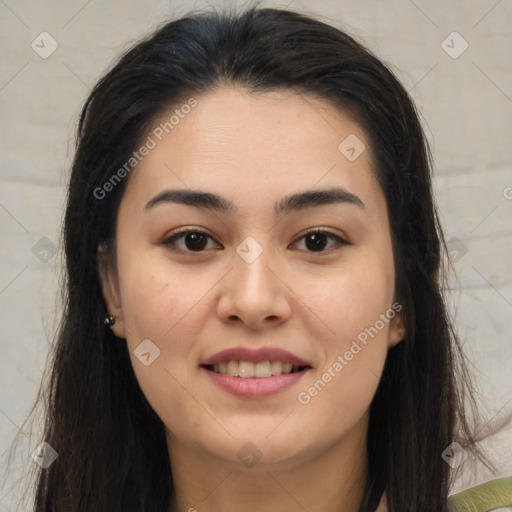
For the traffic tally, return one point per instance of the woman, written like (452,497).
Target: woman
(213,354)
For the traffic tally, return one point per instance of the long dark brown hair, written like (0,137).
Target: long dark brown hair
(111,444)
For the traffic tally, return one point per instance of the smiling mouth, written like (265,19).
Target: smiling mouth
(250,370)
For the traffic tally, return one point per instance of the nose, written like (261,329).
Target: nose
(254,294)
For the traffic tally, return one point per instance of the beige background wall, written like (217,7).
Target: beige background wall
(465,99)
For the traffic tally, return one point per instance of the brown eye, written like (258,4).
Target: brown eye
(191,241)
(318,240)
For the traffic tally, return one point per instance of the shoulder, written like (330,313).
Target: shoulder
(495,496)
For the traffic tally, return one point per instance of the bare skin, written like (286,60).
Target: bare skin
(253,150)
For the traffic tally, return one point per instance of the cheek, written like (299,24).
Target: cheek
(356,298)
(169,314)
(156,301)
(149,305)
(340,397)
(170,308)
(358,315)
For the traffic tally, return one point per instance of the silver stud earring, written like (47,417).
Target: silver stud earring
(110,320)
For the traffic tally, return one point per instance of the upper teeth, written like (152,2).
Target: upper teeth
(246,369)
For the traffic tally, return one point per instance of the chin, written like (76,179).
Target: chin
(256,445)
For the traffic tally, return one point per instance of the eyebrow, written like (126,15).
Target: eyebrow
(294,202)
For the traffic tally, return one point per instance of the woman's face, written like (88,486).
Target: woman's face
(254,293)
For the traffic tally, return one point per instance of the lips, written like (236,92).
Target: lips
(255,373)
(255,356)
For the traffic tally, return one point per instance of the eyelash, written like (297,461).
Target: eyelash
(179,234)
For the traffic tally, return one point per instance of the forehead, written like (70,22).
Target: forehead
(275,125)
(253,145)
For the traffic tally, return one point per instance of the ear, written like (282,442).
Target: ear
(397,331)
(110,288)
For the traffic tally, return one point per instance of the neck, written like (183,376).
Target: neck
(333,480)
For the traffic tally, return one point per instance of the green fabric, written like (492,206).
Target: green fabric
(484,497)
